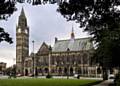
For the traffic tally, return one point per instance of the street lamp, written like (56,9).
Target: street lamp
(33,59)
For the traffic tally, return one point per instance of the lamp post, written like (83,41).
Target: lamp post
(33,60)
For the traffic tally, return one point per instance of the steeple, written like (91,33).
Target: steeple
(72,33)
(22,13)
(22,18)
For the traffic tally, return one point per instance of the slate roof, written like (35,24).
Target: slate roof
(73,45)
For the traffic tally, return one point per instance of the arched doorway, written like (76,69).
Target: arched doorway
(65,71)
(60,70)
(71,71)
(40,70)
(26,72)
(46,70)
(79,70)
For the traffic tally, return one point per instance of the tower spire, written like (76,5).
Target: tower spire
(22,18)
(72,33)
(22,12)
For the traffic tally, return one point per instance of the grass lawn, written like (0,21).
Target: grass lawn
(46,82)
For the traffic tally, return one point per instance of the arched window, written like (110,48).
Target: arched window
(65,70)
(85,58)
(46,70)
(60,70)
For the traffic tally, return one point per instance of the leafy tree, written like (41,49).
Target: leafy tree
(4,36)
(7,7)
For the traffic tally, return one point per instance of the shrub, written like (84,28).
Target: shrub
(49,76)
(78,77)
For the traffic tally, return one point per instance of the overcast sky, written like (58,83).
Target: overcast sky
(44,23)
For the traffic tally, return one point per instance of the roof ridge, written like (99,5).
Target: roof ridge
(75,39)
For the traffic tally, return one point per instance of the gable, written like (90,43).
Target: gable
(43,49)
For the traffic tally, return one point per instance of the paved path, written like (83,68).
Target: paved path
(105,83)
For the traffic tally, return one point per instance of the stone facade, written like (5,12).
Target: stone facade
(63,58)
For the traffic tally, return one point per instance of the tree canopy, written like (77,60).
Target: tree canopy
(7,7)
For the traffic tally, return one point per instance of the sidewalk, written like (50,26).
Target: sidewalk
(105,83)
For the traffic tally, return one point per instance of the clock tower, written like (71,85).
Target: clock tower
(22,43)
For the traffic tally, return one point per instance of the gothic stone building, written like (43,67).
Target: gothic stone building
(66,57)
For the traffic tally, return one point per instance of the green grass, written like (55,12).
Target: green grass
(46,82)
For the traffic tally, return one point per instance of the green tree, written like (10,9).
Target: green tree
(7,7)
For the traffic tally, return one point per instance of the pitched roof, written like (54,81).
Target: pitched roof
(73,45)
(44,49)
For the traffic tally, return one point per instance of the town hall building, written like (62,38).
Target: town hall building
(66,57)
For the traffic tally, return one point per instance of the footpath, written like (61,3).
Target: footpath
(105,83)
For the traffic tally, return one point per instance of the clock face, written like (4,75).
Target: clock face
(26,31)
(19,30)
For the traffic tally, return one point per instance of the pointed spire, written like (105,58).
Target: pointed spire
(72,33)
(72,29)
(22,12)
(22,18)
